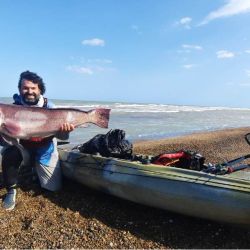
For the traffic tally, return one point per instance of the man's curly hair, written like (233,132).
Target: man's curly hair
(33,77)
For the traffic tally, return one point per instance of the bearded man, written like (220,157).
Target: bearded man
(42,151)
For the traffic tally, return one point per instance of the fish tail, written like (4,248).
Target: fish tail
(100,117)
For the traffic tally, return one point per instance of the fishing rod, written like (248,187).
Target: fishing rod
(229,166)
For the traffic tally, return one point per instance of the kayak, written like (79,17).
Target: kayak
(223,198)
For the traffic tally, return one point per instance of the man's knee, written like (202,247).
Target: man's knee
(50,177)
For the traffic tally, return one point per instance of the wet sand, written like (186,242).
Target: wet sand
(77,217)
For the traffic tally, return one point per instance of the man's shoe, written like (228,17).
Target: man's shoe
(9,201)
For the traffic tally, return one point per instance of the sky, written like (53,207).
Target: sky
(182,52)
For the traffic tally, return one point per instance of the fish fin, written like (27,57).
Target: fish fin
(24,152)
(100,117)
(15,142)
(9,140)
(11,128)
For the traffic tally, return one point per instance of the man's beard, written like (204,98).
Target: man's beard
(32,101)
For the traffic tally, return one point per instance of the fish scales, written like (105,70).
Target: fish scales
(25,122)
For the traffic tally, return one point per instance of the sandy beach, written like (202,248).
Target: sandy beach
(77,217)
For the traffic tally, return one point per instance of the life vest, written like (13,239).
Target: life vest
(34,142)
(181,159)
(17,101)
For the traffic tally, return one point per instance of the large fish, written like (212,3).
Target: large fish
(21,122)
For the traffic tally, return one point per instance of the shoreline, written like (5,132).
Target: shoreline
(197,133)
(78,217)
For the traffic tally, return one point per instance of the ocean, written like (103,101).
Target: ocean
(155,121)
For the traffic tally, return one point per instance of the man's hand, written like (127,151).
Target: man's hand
(67,127)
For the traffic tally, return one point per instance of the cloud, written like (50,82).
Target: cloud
(231,8)
(243,84)
(185,22)
(230,84)
(189,66)
(224,54)
(136,28)
(97,60)
(80,70)
(188,48)
(247,84)
(247,72)
(192,47)
(247,51)
(94,42)
(91,66)
(89,69)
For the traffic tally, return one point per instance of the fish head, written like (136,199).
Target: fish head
(8,126)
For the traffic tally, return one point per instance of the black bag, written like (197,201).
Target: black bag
(112,144)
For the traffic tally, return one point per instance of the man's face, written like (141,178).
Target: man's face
(30,92)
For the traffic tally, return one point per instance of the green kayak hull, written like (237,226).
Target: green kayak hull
(221,198)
